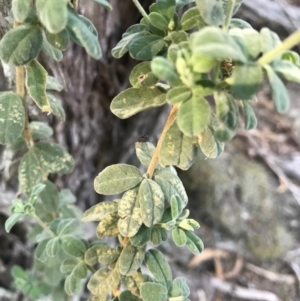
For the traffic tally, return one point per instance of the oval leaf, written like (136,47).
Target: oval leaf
(117,178)
(12,117)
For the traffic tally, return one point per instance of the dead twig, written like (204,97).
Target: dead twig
(207,254)
(272,276)
(238,265)
(241,292)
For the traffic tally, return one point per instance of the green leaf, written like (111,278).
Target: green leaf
(291,56)
(180,3)
(251,39)
(67,197)
(214,43)
(249,116)
(135,100)
(177,206)
(179,237)
(40,251)
(269,40)
(99,211)
(209,144)
(151,199)
(104,3)
(179,37)
(12,220)
(164,70)
(21,9)
(145,46)
(159,21)
(141,75)
(166,8)
(12,117)
(177,149)
(158,235)
(287,70)
(179,288)
(109,257)
(246,80)
(238,23)
(117,178)
(59,40)
(279,92)
(56,107)
(50,197)
(53,84)
(53,158)
(80,271)
(52,52)
(141,237)
(191,18)
(108,226)
(131,259)
(53,14)
(144,151)
(122,47)
(154,292)
(179,94)
(130,213)
(81,31)
(211,11)
(72,285)
(36,79)
(73,245)
(193,115)
(30,172)
(194,243)
(67,226)
(128,296)
(158,266)
(135,28)
(40,130)
(102,283)
(68,265)
(171,186)
(236,6)
(92,254)
(20,45)
(53,246)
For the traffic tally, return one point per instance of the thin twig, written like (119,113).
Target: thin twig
(154,160)
(241,292)
(20,90)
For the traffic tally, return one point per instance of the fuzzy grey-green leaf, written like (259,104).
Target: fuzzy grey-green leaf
(249,116)
(82,32)
(12,117)
(171,185)
(36,79)
(178,94)
(117,178)
(177,149)
(148,289)
(73,245)
(131,259)
(53,158)
(102,283)
(92,254)
(279,92)
(21,9)
(179,237)
(151,199)
(30,172)
(108,226)
(194,243)
(59,40)
(99,211)
(130,213)
(52,247)
(135,100)
(144,151)
(50,197)
(142,75)
(211,11)
(56,107)
(191,18)
(53,84)
(158,266)
(68,265)
(20,45)
(53,14)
